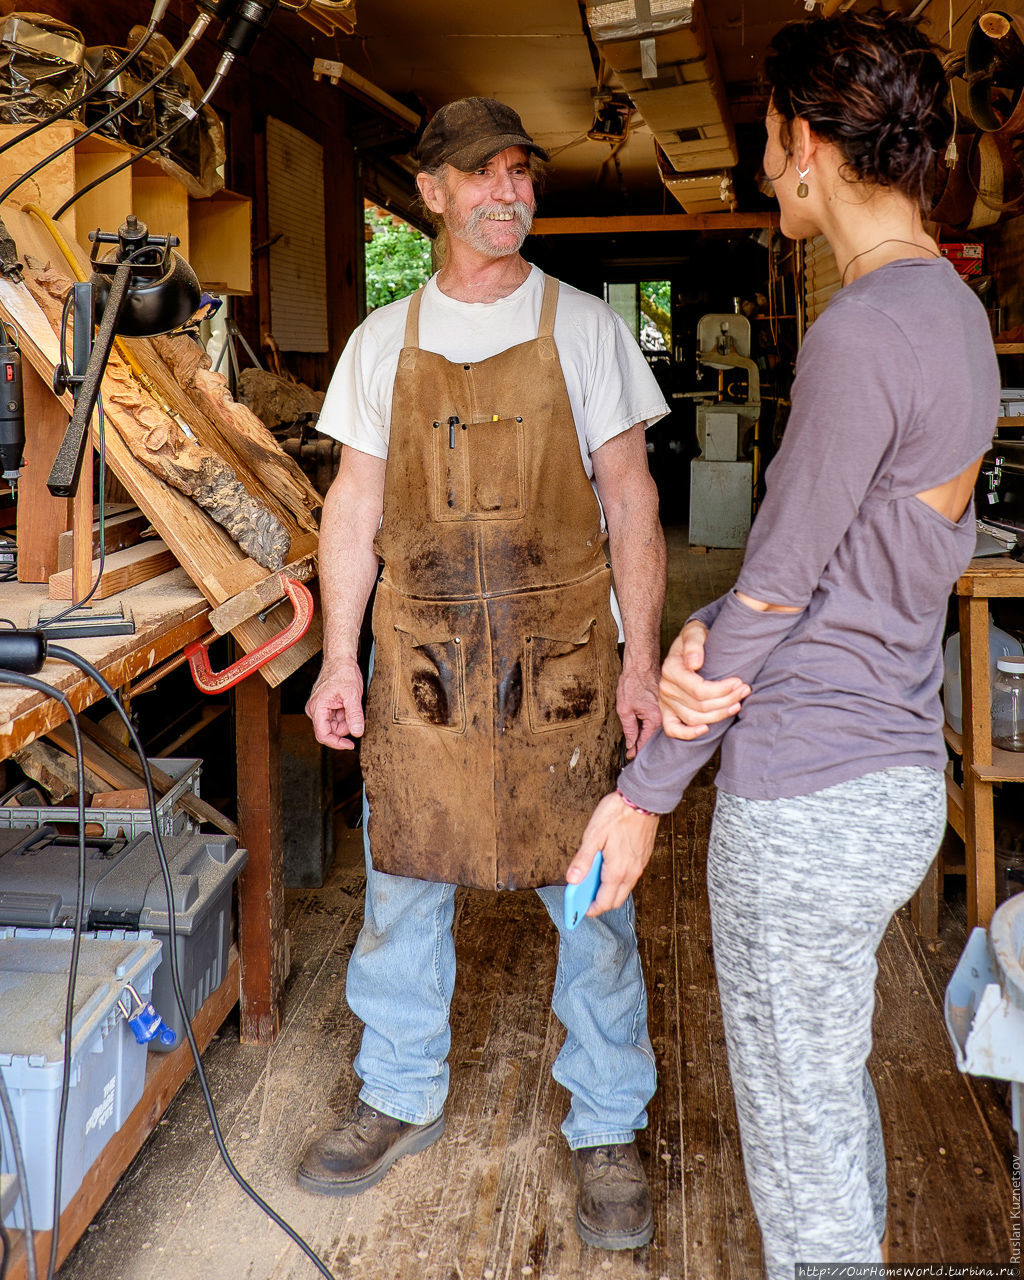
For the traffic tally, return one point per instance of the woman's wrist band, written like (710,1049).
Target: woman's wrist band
(648,813)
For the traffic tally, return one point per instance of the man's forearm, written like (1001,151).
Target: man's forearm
(348,562)
(636,544)
(639,572)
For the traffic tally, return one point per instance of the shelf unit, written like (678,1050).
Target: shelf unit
(170,612)
(214,232)
(970,807)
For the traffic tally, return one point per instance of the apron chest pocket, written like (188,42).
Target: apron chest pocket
(564,683)
(478,470)
(429,682)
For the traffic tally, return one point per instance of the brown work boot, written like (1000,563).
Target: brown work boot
(355,1157)
(613,1203)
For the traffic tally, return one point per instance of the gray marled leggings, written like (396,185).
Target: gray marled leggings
(801,893)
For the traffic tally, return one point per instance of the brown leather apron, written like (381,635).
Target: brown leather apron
(491,724)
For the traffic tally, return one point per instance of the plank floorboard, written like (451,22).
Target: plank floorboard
(494,1198)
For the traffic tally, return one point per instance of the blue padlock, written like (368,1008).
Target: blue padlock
(145,1022)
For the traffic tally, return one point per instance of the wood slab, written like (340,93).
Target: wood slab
(120,529)
(121,570)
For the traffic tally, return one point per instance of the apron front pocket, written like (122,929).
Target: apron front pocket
(478,470)
(564,680)
(429,682)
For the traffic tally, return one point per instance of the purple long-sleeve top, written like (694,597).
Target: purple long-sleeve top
(896,392)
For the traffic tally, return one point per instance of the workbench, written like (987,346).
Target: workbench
(970,806)
(170,612)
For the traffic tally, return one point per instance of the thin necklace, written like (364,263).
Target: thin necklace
(894,240)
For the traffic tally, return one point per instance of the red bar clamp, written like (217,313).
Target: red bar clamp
(210,681)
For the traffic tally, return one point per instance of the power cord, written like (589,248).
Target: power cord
(62,654)
(30,682)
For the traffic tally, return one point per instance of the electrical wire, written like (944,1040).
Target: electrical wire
(198,27)
(159,9)
(30,682)
(62,654)
(187,116)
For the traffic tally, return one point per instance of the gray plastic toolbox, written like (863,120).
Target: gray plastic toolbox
(125,890)
(115,822)
(108,1066)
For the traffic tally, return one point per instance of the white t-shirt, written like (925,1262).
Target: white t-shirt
(608,380)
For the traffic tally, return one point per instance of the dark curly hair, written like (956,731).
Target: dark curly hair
(871,83)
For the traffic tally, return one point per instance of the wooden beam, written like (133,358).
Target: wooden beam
(261,932)
(42,518)
(656,222)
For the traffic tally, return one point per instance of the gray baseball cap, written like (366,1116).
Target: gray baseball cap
(469,132)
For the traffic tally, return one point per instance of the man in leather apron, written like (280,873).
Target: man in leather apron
(472,418)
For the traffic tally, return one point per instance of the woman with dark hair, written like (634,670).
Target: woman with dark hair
(831,798)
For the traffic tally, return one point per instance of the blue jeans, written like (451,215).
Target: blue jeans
(401,977)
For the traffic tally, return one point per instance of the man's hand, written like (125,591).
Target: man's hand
(626,838)
(336,704)
(689,703)
(636,701)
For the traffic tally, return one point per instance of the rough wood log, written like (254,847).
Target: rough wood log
(275,400)
(55,771)
(161,445)
(192,370)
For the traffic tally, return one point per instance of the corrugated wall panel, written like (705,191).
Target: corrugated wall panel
(298,265)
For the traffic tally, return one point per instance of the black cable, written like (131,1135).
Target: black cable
(30,682)
(186,118)
(201,23)
(68,655)
(159,9)
(22,1176)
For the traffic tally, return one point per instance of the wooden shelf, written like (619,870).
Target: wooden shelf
(973,807)
(1006,766)
(1009,348)
(165,1074)
(214,232)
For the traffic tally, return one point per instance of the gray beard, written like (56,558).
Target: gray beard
(472,231)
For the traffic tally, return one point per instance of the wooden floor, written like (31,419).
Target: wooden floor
(494,1197)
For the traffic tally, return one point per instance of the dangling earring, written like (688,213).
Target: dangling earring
(802,188)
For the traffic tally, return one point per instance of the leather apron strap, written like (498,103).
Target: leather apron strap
(412,320)
(546,326)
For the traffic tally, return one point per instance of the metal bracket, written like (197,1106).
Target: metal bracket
(210,681)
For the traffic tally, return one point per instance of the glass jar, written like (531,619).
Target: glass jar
(1008,705)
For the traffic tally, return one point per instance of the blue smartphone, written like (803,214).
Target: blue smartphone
(578,897)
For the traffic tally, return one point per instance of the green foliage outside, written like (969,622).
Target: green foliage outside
(397,259)
(656,305)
